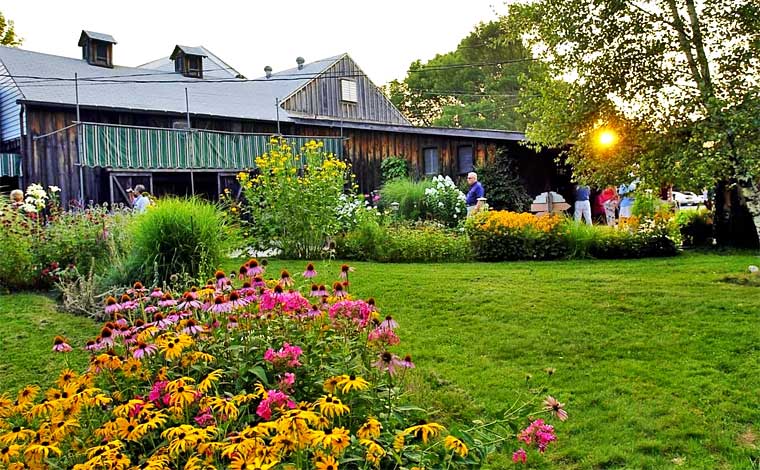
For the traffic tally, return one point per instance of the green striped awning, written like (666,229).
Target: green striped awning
(127,147)
(10,164)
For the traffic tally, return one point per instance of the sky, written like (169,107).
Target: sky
(383,37)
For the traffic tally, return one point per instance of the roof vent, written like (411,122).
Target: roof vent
(300,61)
(268,71)
(188,60)
(97,48)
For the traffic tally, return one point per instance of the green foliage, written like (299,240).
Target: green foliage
(504,189)
(187,237)
(17,261)
(410,195)
(451,91)
(647,204)
(8,35)
(373,239)
(294,201)
(696,227)
(393,168)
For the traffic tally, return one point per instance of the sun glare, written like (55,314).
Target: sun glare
(607,138)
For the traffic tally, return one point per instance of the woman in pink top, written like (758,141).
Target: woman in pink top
(609,200)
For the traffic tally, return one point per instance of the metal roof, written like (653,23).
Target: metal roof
(187,50)
(493,134)
(96,36)
(213,66)
(137,89)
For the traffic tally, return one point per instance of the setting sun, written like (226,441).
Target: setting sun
(607,138)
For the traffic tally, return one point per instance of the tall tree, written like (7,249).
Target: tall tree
(678,80)
(474,86)
(8,35)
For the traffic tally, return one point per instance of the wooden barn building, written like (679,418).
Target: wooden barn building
(187,123)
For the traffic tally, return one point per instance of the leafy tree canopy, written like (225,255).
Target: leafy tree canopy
(8,35)
(474,86)
(677,81)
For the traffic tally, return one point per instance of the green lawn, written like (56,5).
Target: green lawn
(657,360)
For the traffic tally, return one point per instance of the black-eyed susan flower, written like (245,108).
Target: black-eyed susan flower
(332,382)
(352,382)
(370,429)
(39,451)
(17,434)
(250,462)
(375,451)
(27,394)
(326,462)
(424,430)
(130,429)
(336,439)
(9,452)
(456,445)
(331,406)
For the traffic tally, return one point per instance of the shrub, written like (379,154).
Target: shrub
(393,168)
(445,202)
(696,227)
(250,378)
(292,203)
(422,242)
(502,184)
(410,195)
(179,236)
(504,235)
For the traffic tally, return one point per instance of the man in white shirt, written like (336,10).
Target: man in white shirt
(142,201)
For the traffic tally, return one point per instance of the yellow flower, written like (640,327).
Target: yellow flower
(352,382)
(455,445)
(18,433)
(332,382)
(326,462)
(27,394)
(424,430)
(40,451)
(331,406)
(369,430)
(9,452)
(247,462)
(336,439)
(374,450)
(205,385)
(399,442)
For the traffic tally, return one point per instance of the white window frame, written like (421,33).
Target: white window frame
(349,91)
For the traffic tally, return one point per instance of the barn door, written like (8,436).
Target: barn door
(229,181)
(119,182)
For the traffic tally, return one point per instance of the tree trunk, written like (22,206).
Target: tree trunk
(736,217)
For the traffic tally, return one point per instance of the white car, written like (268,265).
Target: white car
(687,198)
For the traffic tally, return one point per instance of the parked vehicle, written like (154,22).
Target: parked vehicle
(687,198)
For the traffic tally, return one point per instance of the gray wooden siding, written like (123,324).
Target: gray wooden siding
(322,97)
(9,111)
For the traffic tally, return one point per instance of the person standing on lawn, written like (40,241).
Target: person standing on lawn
(582,203)
(476,192)
(609,200)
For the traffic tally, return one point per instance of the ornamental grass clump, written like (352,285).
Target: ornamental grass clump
(237,376)
(184,236)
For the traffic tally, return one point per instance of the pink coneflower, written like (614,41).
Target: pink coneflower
(322,290)
(156,293)
(338,291)
(137,288)
(236,301)
(519,456)
(192,327)
(106,337)
(188,301)
(232,322)
(407,362)
(221,279)
(371,303)
(389,323)
(193,292)
(278,292)
(151,309)
(344,270)
(388,362)
(258,281)
(314,292)
(243,272)
(314,311)
(60,344)
(310,272)
(167,300)
(112,306)
(143,349)
(285,278)
(91,345)
(220,305)
(253,268)
(556,408)
(383,335)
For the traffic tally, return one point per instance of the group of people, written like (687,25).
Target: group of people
(139,199)
(614,202)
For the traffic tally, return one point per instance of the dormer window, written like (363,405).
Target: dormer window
(188,61)
(97,48)
(348,91)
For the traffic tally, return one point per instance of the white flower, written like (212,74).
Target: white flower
(708,144)
(753,269)
(29,208)
(54,189)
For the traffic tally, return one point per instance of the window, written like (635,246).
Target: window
(194,66)
(431,161)
(348,91)
(464,159)
(101,52)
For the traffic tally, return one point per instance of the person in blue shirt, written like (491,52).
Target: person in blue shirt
(476,191)
(626,203)
(582,203)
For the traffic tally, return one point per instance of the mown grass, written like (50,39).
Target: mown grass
(657,360)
